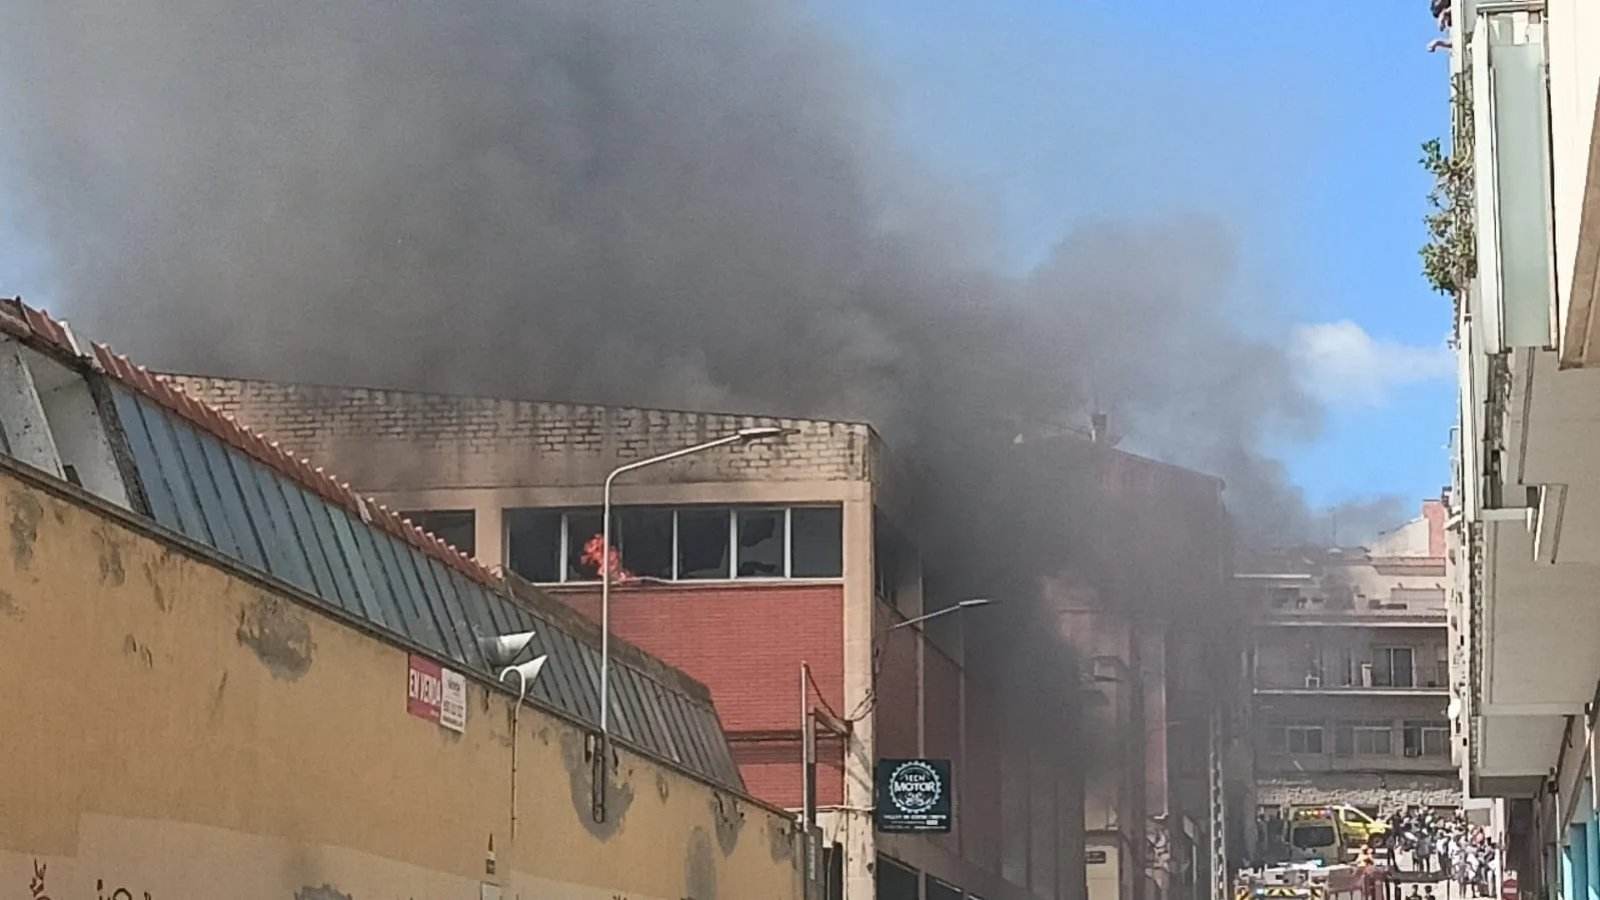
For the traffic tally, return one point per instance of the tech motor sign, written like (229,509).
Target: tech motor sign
(913,795)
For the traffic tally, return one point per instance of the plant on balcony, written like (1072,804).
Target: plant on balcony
(1449,258)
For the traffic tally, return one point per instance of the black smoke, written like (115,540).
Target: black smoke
(676,203)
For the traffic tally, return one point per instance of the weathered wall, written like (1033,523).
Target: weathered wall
(1389,791)
(383,439)
(176,729)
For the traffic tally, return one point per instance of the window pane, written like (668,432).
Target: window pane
(1382,669)
(584,537)
(644,536)
(702,543)
(818,538)
(533,543)
(761,543)
(456,527)
(1402,667)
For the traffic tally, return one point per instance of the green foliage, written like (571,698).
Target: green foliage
(1449,258)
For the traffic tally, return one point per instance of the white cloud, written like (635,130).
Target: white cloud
(1342,364)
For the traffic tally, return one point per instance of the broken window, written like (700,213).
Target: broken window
(703,543)
(817,536)
(644,535)
(456,527)
(762,543)
(533,543)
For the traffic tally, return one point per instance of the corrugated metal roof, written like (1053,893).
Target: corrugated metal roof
(220,484)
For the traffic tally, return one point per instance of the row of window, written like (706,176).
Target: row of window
(1397,666)
(1360,738)
(690,543)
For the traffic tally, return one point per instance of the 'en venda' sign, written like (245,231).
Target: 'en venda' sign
(913,795)
(436,693)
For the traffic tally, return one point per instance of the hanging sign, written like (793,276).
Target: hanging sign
(913,795)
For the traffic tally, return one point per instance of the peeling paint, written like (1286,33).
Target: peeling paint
(215,710)
(699,868)
(781,842)
(280,637)
(619,794)
(325,892)
(9,606)
(110,556)
(25,515)
(132,647)
(156,593)
(728,819)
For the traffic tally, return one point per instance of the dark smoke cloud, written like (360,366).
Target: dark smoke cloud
(691,204)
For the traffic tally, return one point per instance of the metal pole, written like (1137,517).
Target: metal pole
(1219,807)
(805,750)
(602,757)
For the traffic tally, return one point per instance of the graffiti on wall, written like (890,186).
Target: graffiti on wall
(38,890)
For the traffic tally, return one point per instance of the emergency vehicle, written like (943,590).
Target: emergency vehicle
(1309,882)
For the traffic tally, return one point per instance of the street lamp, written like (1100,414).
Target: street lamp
(964,604)
(742,436)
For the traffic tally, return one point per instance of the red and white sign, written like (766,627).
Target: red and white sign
(1508,886)
(436,693)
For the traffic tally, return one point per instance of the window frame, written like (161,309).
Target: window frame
(1387,653)
(1304,730)
(1371,730)
(566,538)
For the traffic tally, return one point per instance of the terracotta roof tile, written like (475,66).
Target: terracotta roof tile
(45,333)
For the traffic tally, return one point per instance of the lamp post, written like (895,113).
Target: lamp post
(964,604)
(742,436)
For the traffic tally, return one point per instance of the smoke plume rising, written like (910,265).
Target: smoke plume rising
(686,204)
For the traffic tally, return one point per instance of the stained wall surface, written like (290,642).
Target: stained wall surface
(175,727)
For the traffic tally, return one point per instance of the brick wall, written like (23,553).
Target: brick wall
(745,643)
(383,439)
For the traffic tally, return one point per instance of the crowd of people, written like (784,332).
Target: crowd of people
(1450,845)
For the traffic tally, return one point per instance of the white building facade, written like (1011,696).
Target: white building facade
(1525,517)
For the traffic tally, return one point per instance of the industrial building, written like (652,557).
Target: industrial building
(742,564)
(228,674)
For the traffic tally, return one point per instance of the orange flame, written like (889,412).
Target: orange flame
(595,555)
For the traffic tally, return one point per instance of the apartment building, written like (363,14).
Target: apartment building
(1350,673)
(1526,236)
(742,565)
(230,675)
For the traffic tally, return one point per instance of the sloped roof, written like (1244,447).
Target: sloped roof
(203,475)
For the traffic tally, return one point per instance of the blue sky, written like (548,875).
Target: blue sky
(1298,122)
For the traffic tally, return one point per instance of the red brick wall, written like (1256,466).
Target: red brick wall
(745,642)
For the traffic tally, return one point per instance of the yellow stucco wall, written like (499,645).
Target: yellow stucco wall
(171,728)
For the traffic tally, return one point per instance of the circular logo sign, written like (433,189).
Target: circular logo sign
(914,787)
